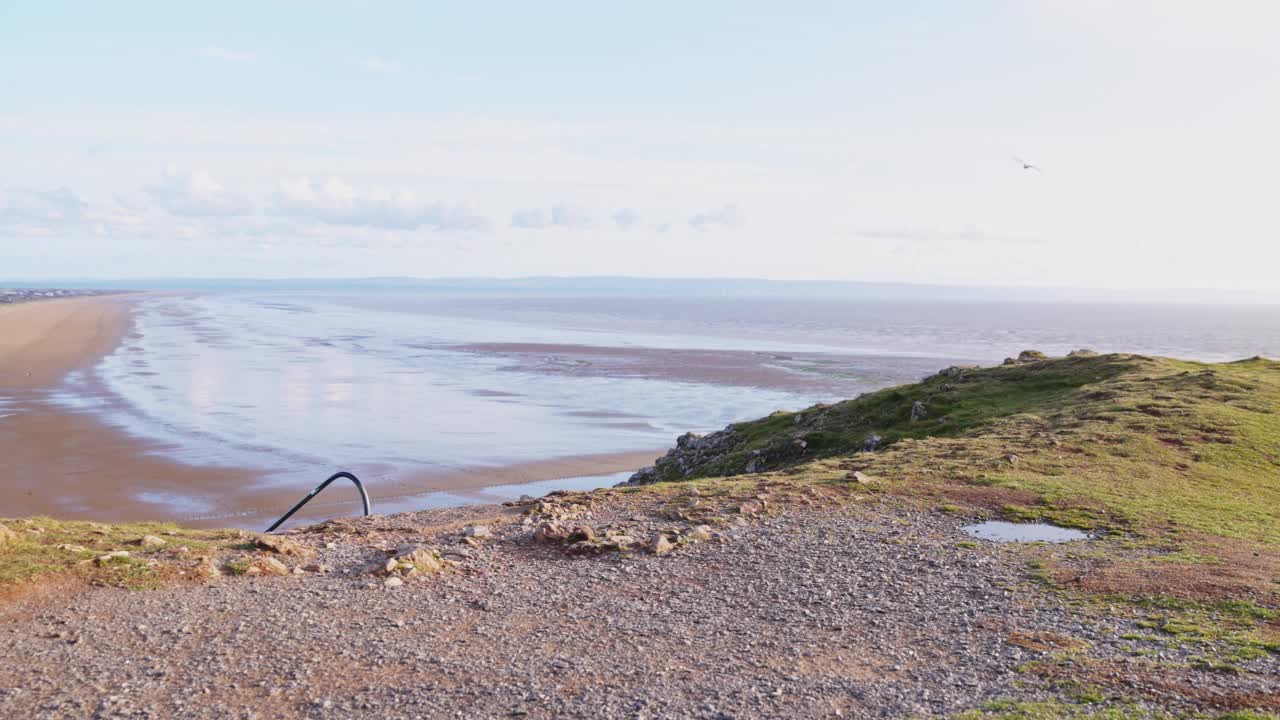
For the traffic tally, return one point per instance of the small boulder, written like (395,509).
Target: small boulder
(700,533)
(1027,356)
(477,532)
(281,545)
(207,569)
(72,548)
(112,557)
(750,507)
(584,547)
(551,532)
(582,533)
(919,411)
(619,542)
(271,566)
(418,558)
(660,544)
(152,541)
(872,443)
(860,477)
(392,582)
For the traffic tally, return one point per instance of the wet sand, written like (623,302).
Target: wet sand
(70,464)
(841,374)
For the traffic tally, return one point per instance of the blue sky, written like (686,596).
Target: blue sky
(815,140)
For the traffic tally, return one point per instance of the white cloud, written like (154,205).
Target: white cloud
(222,54)
(560,215)
(1171,25)
(196,192)
(337,203)
(626,219)
(377,64)
(932,235)
(22,206)
(728,216)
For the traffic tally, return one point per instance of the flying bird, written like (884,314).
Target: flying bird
(1026,165)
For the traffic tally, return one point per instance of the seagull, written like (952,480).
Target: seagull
(1026,165)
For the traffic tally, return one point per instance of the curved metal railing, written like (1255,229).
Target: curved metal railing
(364,497)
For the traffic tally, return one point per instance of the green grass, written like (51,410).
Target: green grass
(1089,709)
(1119,442)
(36,554)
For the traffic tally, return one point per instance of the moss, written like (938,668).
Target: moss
(1089,709)
(49,547)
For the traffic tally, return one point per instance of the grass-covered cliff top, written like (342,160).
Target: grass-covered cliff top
(1118,441)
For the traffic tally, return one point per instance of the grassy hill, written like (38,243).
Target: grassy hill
(1116,441)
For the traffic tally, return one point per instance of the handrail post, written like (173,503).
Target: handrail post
(364,497)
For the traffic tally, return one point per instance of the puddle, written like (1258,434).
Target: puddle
(1000,531)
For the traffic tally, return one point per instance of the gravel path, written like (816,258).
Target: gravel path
(812,612)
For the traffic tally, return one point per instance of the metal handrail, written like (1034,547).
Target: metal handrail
(364,497)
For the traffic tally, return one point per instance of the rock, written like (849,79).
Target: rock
(619,542)
(72,548)
(660,544)
(956,371)
(1009,361)
(477,532)
(750,507)
(7,536)
(418,558)
(872,443)
(582,533)
(584,547)
(392,582)
(692,451)
(390,565)
(111,557)
(918,411)
(271,566)
(700,533)
(860,477)
(1027,356)
(1012,459)
(551,532)
(207,569)
(151,541)
(281,545)
(1082,352)
(643,476)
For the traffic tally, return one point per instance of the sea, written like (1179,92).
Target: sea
(397,382)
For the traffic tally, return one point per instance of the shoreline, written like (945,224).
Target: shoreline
(72,464)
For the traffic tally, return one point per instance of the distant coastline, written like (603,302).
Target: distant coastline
(678,287)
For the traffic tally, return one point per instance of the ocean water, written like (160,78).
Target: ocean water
(397,383)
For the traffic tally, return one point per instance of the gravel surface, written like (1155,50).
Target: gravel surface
(820,611)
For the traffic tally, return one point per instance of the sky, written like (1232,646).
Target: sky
(848,140)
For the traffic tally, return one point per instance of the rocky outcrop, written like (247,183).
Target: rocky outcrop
(692,452)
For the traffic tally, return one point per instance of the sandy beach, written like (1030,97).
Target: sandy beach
(69,463)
